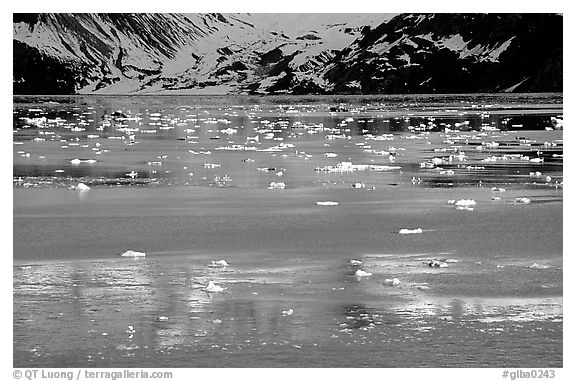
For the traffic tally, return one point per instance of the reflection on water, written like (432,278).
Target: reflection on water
(155,311)
(187,180)
(219,141)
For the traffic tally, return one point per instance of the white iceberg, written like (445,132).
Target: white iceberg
(361,273)
(522,200)
(211,287)
(82,187)
(277,185)
(327,203)
(392,282)
(436,263)
(220,263)
(133,254)
(410,231)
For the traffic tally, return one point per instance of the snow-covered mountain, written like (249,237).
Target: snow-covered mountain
(285,53)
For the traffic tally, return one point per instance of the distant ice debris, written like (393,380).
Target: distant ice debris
(361,273)
(522,200)
(79,161)
(211,287)
(327,203)
(133,254)
(463,204)
(82,187)
(162,318)
(220,263)
(358,185)
(410,231)
(277,185)
(288,312)
(330,154)
(132,174)
(355,262)
(392,282)
(495,189)
(347,166)
(436,263)
(538,266)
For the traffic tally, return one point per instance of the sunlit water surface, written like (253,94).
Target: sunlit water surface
(186,180)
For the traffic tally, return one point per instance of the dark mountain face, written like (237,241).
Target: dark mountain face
(449,53)
(408,53)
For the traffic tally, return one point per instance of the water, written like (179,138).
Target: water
(184,180)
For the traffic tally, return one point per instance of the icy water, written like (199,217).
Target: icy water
(305,199)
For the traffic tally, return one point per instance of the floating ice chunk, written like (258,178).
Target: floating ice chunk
(132,174)
(82,187)
(133,254)
(361,273)
(288,312)
(535,174)
(451,260)
(465,203)
(355,262)
(327,203)
(447,172)
(211,165)
(211,287)
(330,154)
(410,231)
(220,263)
(537,160)
(392,282)
(162,318)
(495,189)
(496,198)
(78,161)
(382,168)
(490,144)
(358,185)
(436,263)
(277,185)
(522,200)
(229,131)
(538,266)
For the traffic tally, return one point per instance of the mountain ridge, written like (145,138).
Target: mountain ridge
(258,54)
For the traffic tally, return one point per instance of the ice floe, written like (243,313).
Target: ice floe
(392,282)
(213,288)
(82,187)
(522,200)
(327,203)
(220,263)
(133,254)
(276,185)
(362,273)
(410,231)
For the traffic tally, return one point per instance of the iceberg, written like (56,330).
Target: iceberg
(133,254)
(410,231)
